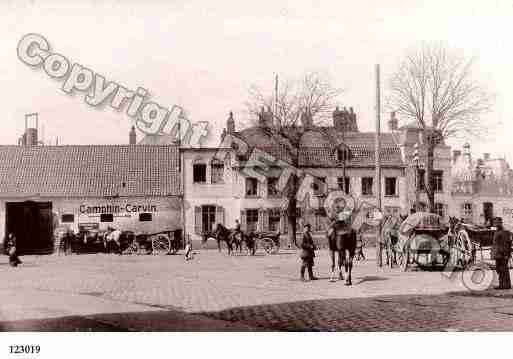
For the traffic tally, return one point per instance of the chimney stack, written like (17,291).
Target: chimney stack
(455,155)
(486,156)
(392,122)
(132,136)
(30,136)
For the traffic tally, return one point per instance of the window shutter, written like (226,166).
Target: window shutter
(265,226)
(220,215)
(243,222)
(197,220)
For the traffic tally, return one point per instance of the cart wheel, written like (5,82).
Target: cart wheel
(160,244)
(268,245)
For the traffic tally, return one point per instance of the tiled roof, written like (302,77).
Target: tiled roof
(314,153)
(89,171)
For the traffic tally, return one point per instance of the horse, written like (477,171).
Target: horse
(342,241)
(390,236)
(232,239)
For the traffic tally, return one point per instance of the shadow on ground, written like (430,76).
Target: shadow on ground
(458,311)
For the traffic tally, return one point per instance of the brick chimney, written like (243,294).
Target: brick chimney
(486,156)
(392,122)
(132,136)
(455,155)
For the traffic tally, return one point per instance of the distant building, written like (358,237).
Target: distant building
(482,188)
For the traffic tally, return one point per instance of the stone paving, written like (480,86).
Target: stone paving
(218,292)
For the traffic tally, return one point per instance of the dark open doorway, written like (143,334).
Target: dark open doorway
(488,211)
(31,223)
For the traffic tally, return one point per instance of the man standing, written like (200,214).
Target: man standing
(12,250)
(307,253)
(501,250)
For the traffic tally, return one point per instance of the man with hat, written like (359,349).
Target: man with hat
(307,253)
(501,250)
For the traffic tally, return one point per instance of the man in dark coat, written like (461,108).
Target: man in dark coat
(307,253)
(12,250)
(501,250)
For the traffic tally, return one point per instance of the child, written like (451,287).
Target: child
(188,249)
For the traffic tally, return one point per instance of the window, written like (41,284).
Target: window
(438,180)
(217,172)
(251,186)
(272,187)
(319,185)
(145,217)
(345,185)
(252,220)
(68,218)
(106,217)
(199,173)
(343,155)
(367,186)
(390,186)
(274,219)
(440,209)
(208,218)
(467,210)
(421,177)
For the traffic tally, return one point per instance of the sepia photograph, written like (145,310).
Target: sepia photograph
(255,167)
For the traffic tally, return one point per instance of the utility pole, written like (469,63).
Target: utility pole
(276,99)
(379,259)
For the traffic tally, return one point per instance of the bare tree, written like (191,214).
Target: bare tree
(313,94)
(435,87)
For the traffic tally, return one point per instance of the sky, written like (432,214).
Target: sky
(204,56)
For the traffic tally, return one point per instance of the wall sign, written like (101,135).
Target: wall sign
(117,209)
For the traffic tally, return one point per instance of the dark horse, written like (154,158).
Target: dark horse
(231,238)
(342,240)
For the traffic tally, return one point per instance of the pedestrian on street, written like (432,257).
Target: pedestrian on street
(12,250)
(188,249)
(307,253)
(501,250)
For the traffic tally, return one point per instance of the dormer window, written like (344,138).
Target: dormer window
(343,154)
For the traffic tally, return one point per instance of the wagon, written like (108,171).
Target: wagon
(480,237)
(158,243)
(423,241)
(269,241)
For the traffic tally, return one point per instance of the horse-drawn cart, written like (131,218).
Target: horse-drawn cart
(269,241)
(158,243)
(426,241)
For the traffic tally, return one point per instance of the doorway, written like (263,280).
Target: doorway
(31,223)
(488,211)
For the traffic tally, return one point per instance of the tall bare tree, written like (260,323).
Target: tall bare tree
(435,87)
(312,94)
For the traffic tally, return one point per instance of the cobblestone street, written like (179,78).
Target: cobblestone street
(218,292)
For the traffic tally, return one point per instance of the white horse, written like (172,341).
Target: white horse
(113,236)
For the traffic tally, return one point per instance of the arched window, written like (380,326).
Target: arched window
(343,154)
